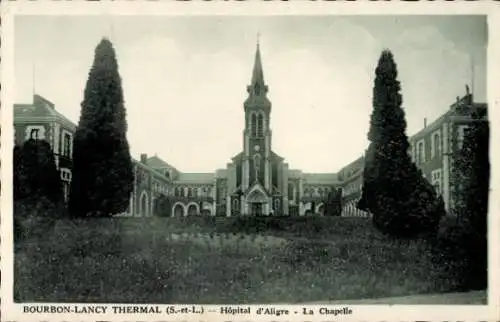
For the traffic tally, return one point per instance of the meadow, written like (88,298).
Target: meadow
(219,260)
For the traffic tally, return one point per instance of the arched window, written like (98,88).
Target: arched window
(260,125)
(236,205)
(256,165)
(421,152)
(190,192)
(195,192)
(182,191)
(253,125)
(436,144)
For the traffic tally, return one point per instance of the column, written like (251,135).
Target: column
(266,173)
(56,148)
(245,171)
(213,194)
(231,178)
(284,183)
(266,208)
(228,206)
(267,160)
(446,166)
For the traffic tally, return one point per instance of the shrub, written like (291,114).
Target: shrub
(460,256)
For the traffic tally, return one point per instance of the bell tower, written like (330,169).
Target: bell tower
(257,132)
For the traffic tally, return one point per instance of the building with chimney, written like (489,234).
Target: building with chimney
(257,180)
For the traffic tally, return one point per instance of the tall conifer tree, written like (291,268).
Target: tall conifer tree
(402,202)
(102,170)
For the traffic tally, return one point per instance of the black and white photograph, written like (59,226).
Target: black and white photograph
(243,160)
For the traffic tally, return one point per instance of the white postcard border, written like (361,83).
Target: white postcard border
(13,312)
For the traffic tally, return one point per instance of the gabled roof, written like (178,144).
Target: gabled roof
(41,107)
(157,162)
(257,192)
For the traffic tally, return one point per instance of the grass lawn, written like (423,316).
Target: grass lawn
(218,260)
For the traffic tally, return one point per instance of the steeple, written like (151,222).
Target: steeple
(258,86)
(258,73)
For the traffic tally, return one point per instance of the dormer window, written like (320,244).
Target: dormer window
(34,134)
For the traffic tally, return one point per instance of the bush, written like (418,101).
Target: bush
(35,217)
(460,256)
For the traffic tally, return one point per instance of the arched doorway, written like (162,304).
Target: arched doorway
(144,204)
(192,210)
(178,210)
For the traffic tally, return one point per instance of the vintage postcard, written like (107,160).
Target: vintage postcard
(249,161)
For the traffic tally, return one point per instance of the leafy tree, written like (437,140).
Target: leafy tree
(102,166)
(402,202)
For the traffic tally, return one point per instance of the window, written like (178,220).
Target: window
(236,205)
(256,165)
(437,187)
(420,152)
(277,205)
(291,191)
(260,125)
(436,179)
(34,134)
(462,132)
(253,125)
(66,144)
(436,144)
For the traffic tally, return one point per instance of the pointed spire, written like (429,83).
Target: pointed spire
(258,73)
(258,87)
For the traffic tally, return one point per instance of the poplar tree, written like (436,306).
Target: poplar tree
(102,179)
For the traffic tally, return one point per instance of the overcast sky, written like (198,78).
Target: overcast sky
(185,78)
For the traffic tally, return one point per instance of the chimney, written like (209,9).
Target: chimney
(144,158)
(425,122)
